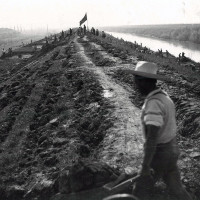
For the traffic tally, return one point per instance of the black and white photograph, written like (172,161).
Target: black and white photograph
(99,100)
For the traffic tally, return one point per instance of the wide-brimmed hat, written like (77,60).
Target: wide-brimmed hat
(148,70)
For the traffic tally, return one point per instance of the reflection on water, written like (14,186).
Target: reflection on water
(175,47)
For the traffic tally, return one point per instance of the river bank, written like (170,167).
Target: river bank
(174,47)
(187,67)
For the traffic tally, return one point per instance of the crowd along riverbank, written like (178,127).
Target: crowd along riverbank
(174,47)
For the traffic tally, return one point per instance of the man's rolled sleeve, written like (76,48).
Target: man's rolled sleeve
(154,113)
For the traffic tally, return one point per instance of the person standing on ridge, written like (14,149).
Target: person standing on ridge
(97,32)
(3,52)
(179,58)
(159,128)
(84,29)
(70,31)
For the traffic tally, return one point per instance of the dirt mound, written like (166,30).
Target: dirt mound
(70,116)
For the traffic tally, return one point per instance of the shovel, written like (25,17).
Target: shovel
(121,183)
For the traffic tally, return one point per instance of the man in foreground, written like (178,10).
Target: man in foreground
(159,128)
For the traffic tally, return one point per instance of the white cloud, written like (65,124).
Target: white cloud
(68,13)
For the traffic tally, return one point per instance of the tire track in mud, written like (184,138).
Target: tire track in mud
(123,142)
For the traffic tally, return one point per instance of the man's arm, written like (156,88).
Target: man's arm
(150,147)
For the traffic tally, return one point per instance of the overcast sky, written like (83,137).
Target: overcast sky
(62,14)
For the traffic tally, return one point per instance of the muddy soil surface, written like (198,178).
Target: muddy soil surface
(75,108)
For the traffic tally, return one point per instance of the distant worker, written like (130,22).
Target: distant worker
(70,31)
(160,52)
(179,58)
(103,34)
(97,32)
(62,34)
(84,29)
(3,52)
(183,55)
(10,51)
(55,39)
(136,44)
(93,31)
(167,54)
(81,30)
(47,42)
(145,49)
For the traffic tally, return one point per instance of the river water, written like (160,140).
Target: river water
(174,47)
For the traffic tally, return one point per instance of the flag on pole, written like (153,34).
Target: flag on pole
(84,19)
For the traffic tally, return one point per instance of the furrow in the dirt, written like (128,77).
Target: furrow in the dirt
(17,92)
(29,68)
(13,110)
(103,53)
(23,120)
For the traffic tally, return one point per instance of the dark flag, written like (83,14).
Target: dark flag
(84,19)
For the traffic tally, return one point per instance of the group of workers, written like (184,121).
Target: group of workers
(83,30)
(96,32)
(9,53)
